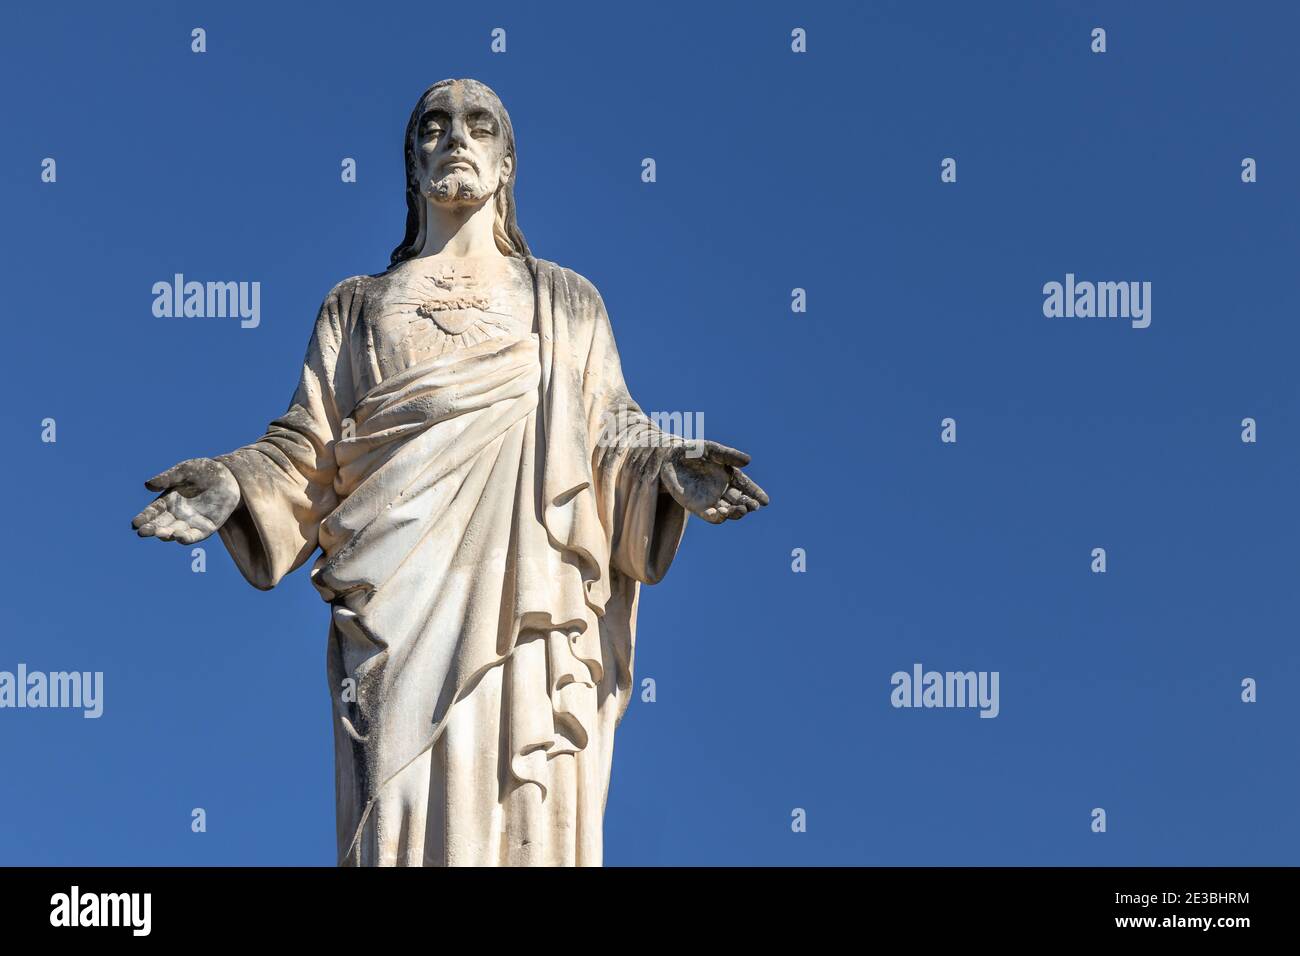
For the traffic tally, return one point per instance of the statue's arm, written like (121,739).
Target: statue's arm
(286,478)
(267,499)
(702,477)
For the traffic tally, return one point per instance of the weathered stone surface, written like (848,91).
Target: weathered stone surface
(486,499)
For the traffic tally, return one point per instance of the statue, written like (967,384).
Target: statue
(486,499)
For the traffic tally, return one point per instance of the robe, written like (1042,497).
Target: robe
(483,535)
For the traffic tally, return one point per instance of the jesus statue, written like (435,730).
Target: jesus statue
(486,499)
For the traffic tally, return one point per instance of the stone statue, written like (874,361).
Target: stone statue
(487,500)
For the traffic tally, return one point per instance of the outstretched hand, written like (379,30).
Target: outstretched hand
(198,495)
(710,483)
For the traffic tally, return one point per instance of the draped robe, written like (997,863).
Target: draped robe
(483,537)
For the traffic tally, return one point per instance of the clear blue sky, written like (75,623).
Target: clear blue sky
(775,171)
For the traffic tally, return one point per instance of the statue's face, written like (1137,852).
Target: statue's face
(460,146)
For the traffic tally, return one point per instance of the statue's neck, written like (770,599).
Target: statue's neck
(460,231)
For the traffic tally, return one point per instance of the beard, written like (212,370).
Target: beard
(458,186)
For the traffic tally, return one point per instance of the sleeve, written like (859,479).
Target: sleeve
(286,478)
(645,522)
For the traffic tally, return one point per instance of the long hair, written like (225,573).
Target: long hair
(505,228)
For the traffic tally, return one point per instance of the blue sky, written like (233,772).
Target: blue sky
(774,170)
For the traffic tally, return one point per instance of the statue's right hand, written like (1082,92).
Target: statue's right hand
(198,495)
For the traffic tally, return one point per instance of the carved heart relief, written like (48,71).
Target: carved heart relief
(455,302)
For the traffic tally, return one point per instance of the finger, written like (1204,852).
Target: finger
(735,497)
(729,508)
(165,479)
(736,513)
(148,514)
(171,531)
(746,484)
(712,516)
(192,536)
(177,476)
(202,525)
(724,455)
(156,524)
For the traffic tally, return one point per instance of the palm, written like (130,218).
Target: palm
(711,484)
(198,495)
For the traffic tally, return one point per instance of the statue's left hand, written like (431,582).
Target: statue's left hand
(710,483)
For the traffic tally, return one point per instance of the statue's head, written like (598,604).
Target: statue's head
(460,151)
